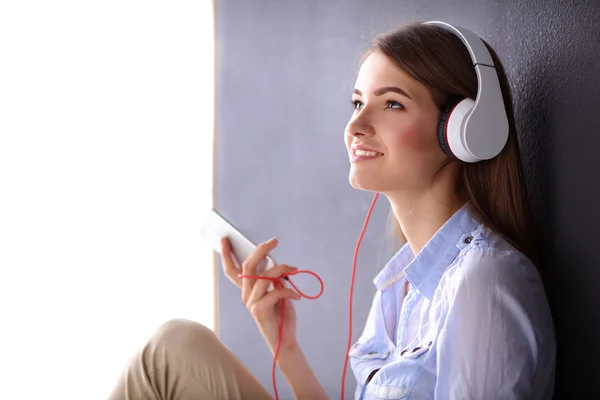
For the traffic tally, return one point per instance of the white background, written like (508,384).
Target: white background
(106,121)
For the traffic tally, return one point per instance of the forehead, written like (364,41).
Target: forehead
(378,70)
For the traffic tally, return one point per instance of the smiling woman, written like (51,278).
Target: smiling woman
(465,284)
(432,100)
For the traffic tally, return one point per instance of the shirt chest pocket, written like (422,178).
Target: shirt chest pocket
(380,350)
(372,349)
(415,350)
(395,380)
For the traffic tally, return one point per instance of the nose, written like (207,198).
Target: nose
(356,134)
(356,131)
(359,126)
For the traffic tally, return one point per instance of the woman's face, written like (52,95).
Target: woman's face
(392,135)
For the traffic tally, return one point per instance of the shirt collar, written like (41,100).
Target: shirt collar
(426,269)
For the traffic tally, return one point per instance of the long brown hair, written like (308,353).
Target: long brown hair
(494,188)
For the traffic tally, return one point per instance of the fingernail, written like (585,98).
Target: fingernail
(270,241)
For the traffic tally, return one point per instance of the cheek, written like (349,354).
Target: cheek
(415,139)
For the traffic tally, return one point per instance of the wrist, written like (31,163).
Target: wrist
(290,356)
(299,375)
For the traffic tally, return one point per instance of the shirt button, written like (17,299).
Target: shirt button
(468,239)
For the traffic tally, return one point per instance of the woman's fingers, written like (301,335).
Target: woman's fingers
(263,309)
(262,285)
(249,265)
(231,266)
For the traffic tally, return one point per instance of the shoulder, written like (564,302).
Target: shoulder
(489,264)
(492,301)
(492,289)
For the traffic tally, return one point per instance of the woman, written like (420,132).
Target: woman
(460,311)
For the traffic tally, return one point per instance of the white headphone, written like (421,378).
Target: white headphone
(469,130)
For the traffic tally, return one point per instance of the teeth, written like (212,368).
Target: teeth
(365,153)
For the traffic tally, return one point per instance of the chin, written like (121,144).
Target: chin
(364,183)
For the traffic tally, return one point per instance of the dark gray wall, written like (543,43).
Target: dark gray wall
(285,70)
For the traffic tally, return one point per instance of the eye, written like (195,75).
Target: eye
(394,105)
(357,104)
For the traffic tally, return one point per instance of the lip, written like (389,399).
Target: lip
(363,147)
(356,158)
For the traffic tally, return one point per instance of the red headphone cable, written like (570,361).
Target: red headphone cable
(279,283)
(362,233)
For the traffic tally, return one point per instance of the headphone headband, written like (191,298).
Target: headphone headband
(479,131)
(479,53)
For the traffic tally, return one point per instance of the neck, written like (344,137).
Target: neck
(420,217)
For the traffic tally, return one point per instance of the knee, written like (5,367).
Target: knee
(181,336)
(180,326)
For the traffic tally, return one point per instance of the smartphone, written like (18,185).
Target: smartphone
(215,226)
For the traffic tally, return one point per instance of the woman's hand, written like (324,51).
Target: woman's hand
(264,305)
(265,308)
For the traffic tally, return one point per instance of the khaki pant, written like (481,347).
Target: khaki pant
(183,361)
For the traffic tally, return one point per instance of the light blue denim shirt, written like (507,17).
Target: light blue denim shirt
(475,325)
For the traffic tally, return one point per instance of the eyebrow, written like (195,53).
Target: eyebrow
(384,90)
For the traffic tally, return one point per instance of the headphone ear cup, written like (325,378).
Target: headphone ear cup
(442,132)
